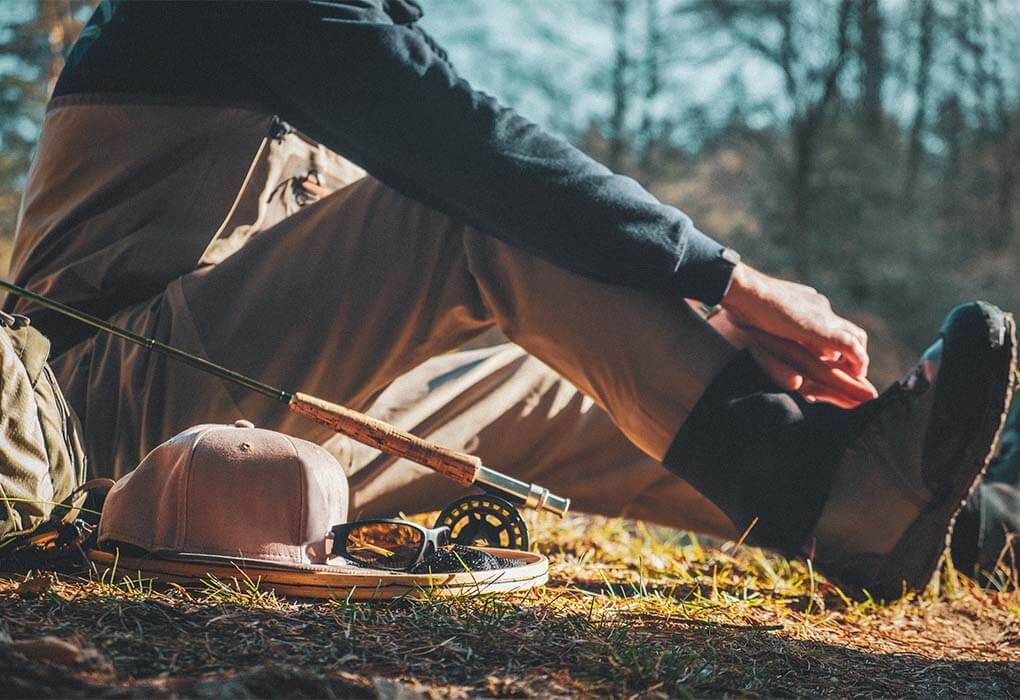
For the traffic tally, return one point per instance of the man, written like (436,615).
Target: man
(180,189)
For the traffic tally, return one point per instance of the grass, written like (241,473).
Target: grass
(630,611)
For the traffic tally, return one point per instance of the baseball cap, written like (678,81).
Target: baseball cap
(230,491)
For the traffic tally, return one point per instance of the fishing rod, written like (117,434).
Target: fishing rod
(461,467)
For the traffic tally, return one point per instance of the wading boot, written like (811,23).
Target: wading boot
(922,447)
(869,494)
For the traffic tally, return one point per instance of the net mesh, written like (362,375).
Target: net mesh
(458,557)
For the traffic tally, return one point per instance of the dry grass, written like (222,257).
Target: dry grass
(630,611)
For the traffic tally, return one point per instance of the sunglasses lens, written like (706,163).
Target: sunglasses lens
(385,545)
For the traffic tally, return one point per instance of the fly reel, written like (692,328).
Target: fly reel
(485,520)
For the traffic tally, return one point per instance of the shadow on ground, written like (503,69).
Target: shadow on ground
(149,647)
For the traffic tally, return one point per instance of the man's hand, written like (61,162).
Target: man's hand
(794,334)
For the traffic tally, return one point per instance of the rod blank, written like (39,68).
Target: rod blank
(462,468)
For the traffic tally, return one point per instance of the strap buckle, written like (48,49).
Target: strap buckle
(14,321)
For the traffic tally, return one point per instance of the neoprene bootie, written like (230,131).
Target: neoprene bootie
(869,494)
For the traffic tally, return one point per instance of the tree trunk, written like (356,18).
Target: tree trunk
(1008,194)
(806,127)
(653,82)
(1007,147)
(926,31)
(621,69)
(871,53)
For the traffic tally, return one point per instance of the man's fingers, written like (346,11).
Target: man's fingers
(846,347)
(785,376)
(854,355)
(858,360)
(824,380)
(860,333)
(834,382)
(844,391)
(816,392)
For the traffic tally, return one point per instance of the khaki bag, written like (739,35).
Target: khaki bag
(42,461)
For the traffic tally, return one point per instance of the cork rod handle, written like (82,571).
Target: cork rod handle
(462,468)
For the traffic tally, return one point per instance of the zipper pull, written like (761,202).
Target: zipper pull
(279,129)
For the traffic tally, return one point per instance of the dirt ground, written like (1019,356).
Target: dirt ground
(630,611)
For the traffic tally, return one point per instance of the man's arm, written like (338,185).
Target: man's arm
(378,92)
(374,87)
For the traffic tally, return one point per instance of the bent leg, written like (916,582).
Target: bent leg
(337,301)
(355,291)
(522,418)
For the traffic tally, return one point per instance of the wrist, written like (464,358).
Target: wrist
(742,282)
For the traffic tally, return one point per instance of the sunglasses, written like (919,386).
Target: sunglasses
(396,545)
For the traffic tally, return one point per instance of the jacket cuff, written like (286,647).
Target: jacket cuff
(705,269)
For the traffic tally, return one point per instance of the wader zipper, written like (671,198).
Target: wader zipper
(278,129)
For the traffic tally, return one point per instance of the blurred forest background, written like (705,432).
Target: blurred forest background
(870,148)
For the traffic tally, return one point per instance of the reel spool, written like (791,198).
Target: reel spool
(485,520)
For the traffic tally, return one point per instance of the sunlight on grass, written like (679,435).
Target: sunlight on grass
(629,608)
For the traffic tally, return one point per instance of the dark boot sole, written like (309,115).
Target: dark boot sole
(910,567)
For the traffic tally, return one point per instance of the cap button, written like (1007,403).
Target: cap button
(242,423)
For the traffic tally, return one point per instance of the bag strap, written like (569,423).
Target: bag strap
(64,515)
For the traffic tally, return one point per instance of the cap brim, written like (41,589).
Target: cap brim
(327,580)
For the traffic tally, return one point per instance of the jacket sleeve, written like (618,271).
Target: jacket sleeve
(383,94)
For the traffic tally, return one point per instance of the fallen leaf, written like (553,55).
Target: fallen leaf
(50,650)
(35,586)
(387,689)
